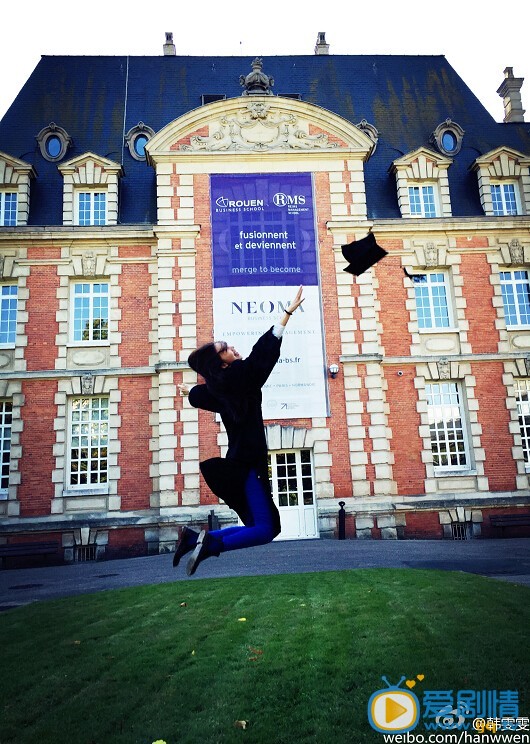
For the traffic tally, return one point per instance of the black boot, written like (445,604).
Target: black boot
(187,542)
(206,547)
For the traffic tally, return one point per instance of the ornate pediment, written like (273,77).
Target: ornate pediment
(259,124)
(260,127)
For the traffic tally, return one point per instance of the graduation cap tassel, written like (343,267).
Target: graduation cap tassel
(413,276)
(362,254)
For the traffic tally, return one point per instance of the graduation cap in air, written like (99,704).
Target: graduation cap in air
(361,254)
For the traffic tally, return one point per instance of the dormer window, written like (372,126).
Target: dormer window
(91,208)
(15,176)
(504,198)
(8,208)
(422,200)
(422,184)
(503,182)
(90,194)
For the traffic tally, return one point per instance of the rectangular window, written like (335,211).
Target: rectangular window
(90,312)
(448,435)
(8,314)
(431,301)
(92,208)
(522,392)
(89,431)
(8,208)
(504,198)
(422,201)
(291,477)
(515,288)
(6,414)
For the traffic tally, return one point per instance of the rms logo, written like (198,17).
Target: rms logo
(288,200)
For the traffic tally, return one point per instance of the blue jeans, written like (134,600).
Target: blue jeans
(259,526)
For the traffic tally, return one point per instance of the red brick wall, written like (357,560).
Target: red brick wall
(135,485)
(423,525)
(36,489)
(404,420)
(499,467)
(338,445)
(42,328)
(126,543)
(208,428)
(480,313)
(135,323)
(392,295)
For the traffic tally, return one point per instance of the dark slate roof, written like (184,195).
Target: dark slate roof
(404,97)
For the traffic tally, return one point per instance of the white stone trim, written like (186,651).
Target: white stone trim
(13,391)
(449,261)
(15,175)
(70,270)
(513,369)
(104,498)
(473,479)
(423,167)
(503,164)
(90,171)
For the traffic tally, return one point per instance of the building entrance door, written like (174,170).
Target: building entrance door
(292,485)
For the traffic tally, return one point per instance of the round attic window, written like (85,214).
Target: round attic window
(139,144)
(53,142)
(449,141)
(448,137)
(137,138)
(53,146)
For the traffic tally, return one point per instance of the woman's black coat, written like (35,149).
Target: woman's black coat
(247,445)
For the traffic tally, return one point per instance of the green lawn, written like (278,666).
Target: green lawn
(177,661)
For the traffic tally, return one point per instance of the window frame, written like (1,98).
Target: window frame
(92,295)
(4,193)
(517,304)
(5,425)
(465,451)
(92,192)
(517,198)
(431,301)
(523,411)
(420,185)
(10,344)
(300,476)
(99,485)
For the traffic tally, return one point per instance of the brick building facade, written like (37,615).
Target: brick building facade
(106,281)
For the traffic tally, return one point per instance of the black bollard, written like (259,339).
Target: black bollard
(213,521)
(342,521)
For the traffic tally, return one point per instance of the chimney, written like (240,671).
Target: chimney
(321,47)
(510,91)
(169,47)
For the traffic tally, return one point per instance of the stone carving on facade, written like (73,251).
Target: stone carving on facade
(370,131)
(527,364)
(444,369)
(431,255)
(88,262)
(516,252)
(87,383)
(260,127)
(2,260)
(257,83)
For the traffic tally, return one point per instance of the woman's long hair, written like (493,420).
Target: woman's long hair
(206,361)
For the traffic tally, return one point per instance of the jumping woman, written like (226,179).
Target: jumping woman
(232,389)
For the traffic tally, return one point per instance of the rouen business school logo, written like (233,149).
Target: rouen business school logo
(293,202)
